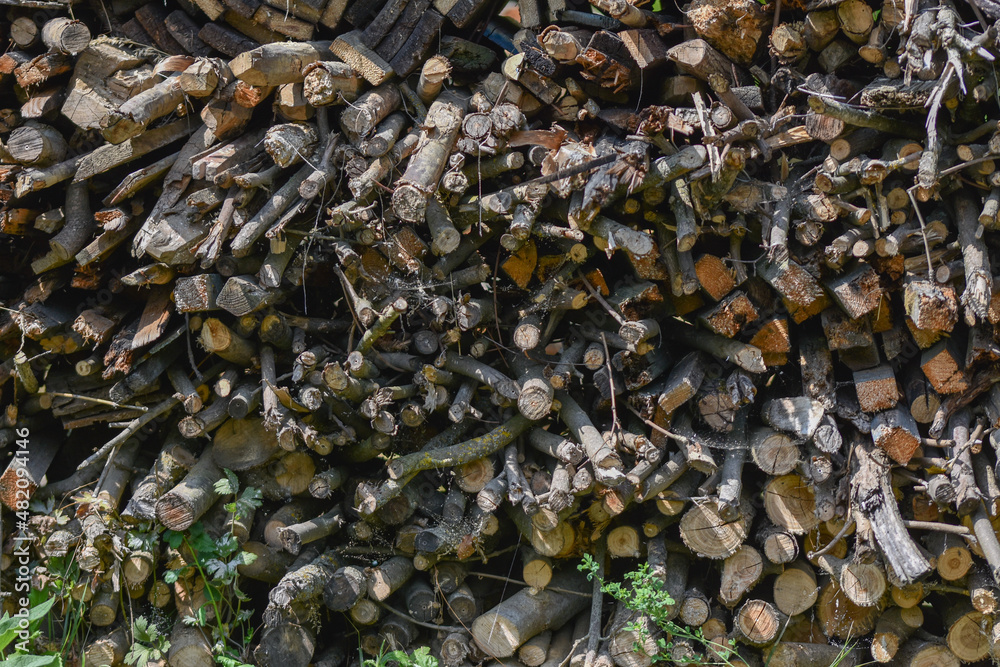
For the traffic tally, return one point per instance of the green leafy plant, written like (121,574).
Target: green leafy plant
(149,645)
(643,592)
(420,657)
(23,655)
(59,577)
(216,561)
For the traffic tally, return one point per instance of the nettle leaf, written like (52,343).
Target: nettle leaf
(141,630)
(246,558)
(226,661)
(422,657)
(229,485)
(212,593)
(170,576)
(398,656)
(139,655)
(227,544)
(248,501)
(173,538)
(240,595)
(200,541)
(216,568)
(46,506)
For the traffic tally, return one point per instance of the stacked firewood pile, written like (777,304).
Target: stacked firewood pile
(467,291)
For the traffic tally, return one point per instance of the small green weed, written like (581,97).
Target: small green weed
(149,645)
(11,630)
(216,562)
(644,594)
(420,657)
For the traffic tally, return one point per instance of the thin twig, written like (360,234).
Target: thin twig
(102,401)
(923,227)
(601,300)
(572,649)
(563,173)
(138,423)
(937,526)
(842,534)
(656,427)
(446,628)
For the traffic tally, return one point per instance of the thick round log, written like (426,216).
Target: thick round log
(921,653)
(463,605)
(324,483)
(758,622)
(421,600)
(863,583)
(969,632)
(740,572)
(388,577)
(37,144)
(503,629)
(109,650)
(779,546)
(533,652)
(444,121)
(472,477)
(241,444)
(189,500)
(66,35)
(287,645)
(365,612)
(625,542)
(137,567)
(629,629)
(983,591)
(954,559)
(455,648)
(775,453)
(24,32)
(345,589)
(189,647)
(278,63)
(841,618)
(891,632)
(287,515)
(795,589)
(792,654)
(790,504)
(270,564)
(361,117)
(708,535)
(537,569)
(288,476)
(327,83)
(294,536)
(398,631)
(219,339)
